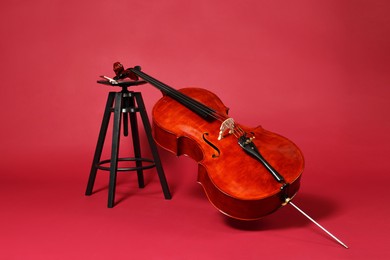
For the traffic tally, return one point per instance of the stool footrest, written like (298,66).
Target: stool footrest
(124,169)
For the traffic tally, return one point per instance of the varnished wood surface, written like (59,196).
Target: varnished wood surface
(235,183)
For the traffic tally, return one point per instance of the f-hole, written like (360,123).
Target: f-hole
(212,145)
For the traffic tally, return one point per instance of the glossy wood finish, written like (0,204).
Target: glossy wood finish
(235,183)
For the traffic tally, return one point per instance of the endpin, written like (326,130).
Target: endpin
(288,201)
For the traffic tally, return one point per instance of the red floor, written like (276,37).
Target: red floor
(45,215)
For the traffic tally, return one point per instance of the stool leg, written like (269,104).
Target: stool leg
(126,103)
(136,142)
(153,146)
(115,149)
(100,142)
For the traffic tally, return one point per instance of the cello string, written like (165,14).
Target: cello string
(312,220)
(188,100)
(180,96)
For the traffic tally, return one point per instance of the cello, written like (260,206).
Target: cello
(246,172)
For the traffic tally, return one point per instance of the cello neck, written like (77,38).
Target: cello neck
(197,107)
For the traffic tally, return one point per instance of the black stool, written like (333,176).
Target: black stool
(122,104)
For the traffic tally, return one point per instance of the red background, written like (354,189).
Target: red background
(316,72)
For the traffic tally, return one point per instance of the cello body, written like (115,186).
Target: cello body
(237,184)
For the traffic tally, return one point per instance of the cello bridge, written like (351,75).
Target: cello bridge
(227,125)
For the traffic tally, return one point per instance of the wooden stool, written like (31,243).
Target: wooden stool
(122,104)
